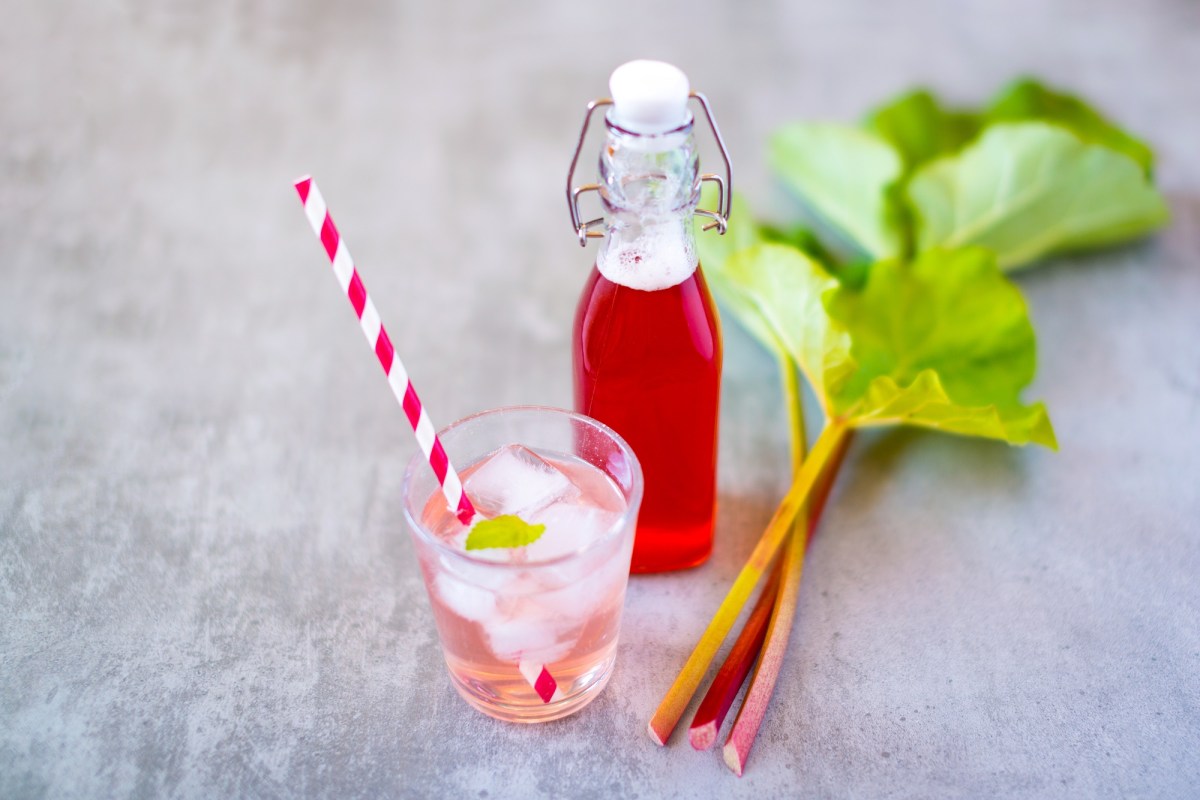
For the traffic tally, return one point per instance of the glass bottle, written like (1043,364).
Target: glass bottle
(647,341)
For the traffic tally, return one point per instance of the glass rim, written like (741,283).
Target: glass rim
(633,501)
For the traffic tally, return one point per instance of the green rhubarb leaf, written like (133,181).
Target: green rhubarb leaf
(920,129)
(800,237)
(1026,99)
(1026,190)
(742,232)
(944,342)
(842,175)
(715,251)
(786,287)
(507,530)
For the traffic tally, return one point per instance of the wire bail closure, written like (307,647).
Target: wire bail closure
(720,217)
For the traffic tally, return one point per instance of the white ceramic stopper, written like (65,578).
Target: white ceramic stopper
(649,96)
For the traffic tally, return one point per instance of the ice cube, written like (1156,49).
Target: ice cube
(569,529)
(469,602)
(533,633)
(516,480)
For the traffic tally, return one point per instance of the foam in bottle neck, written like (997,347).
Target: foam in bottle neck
(660,256)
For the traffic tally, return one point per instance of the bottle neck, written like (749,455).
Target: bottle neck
(649,187)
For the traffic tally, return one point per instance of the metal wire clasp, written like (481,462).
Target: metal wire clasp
(720,217)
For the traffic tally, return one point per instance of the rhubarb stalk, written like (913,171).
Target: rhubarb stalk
(666,717)
(724,688)
(766,673)
(741,657)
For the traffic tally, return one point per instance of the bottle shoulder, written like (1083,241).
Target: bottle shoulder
(679,321)
(691,288)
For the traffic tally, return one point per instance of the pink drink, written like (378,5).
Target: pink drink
(505,613)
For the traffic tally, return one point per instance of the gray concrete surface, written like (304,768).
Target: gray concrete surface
(205,586)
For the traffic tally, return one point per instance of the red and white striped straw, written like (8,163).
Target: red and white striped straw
(381,343)
(536,674)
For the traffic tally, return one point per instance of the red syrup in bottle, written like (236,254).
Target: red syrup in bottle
(648,365)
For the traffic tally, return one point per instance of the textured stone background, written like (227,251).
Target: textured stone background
(205,587)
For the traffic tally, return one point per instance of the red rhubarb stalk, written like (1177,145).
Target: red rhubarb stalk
(729,679)
(666,717)
(721,694)
(762,685)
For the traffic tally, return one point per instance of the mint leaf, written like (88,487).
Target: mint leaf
(506,530)
(1026,99)
(1030,189)
(920,129)
(842,176)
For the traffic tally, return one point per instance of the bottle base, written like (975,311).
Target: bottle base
(650,569)
(671,549)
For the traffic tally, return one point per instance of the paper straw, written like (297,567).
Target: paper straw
(536,674)
(381,343)
(541,680)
